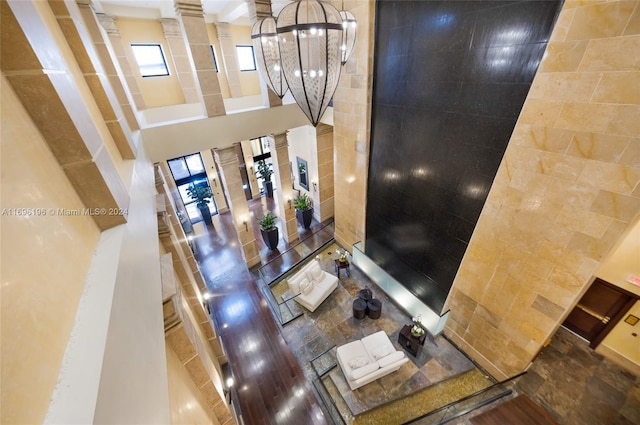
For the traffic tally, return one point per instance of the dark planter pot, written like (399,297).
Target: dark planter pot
(206,215)
(304,217)
(268,186)
(270,238)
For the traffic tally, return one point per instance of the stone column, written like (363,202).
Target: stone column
(109,24)
(34,65)
(178,50)
(321,186)
(194,30)
(228,164)
(229,59)
(81,29)
(286,210)
(260,9)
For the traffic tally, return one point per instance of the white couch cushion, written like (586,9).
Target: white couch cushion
(363,371)
(294,283)
(305,286)
(315,272)
(391,358)
(358,362)
(381,352)
(374,341)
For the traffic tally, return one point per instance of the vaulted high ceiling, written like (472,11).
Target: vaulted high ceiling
(231,11)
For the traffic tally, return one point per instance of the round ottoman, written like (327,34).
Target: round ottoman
(375,308)
(365,294)
(359,308)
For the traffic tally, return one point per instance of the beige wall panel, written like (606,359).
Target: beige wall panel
(44,262)
(187,406)
(156,91)
(222,78)
(249,80)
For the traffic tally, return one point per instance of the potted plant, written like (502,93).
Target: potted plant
(201,193)
(342,256)
(304,210)
(264,172)
(269,230)
(417,330)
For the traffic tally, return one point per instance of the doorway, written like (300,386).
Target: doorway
(598,311)
(188,170)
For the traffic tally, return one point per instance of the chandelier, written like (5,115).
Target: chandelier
(349,30)
(265,44)
(307,48)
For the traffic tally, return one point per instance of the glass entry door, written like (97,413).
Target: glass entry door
(189,170)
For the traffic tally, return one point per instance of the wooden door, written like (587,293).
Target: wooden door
(599,309)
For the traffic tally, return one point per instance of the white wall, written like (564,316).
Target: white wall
(301,144)
(133,385)
(623,261)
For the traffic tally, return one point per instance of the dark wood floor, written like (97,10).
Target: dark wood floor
(270,386)
(517,411)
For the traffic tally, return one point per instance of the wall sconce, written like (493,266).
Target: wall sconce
(315,186)
(246,226)
(289,201)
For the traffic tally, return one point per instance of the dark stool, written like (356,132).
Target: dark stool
(359,308)
(375,308)
(365,294)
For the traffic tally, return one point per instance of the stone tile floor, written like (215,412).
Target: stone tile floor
(578,386)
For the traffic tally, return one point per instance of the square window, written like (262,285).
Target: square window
(246,61)
(150,60)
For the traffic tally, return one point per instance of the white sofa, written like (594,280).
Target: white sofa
(311,285)
(368,359)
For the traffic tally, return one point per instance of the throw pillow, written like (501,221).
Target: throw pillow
(358,361)
(390,359)
(294,285)
(381,352)
(305,286)
(316,272)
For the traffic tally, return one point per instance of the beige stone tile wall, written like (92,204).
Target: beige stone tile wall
(187,404)
(565,193)
(321,184)
(351,117)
